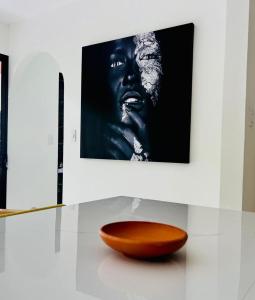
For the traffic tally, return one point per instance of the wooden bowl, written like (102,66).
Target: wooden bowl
(140,239)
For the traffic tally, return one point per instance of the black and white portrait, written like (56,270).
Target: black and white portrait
(136,97)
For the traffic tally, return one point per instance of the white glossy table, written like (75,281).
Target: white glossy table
(57,254)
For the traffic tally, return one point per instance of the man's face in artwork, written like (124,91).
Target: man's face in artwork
(134,71)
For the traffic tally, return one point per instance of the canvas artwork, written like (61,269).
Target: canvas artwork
(136,97)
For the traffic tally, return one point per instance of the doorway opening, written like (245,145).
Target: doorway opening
(60,139)
(4,71)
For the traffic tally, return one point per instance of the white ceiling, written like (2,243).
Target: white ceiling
(17,10)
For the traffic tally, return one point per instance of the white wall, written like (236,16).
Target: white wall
(62,35)
(32,152)
(234,102)
(4,39)
(249,151)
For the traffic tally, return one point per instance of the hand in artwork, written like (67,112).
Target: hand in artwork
(128,142)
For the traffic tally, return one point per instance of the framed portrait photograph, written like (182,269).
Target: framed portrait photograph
(136,97)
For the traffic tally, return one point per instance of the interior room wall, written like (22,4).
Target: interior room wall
(234,104)
(63,34)
(32,155)
(249,150)
(4,39)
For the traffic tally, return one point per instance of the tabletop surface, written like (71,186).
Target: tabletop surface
(58,254)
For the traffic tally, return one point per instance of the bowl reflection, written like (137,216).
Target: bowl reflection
(155,279)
